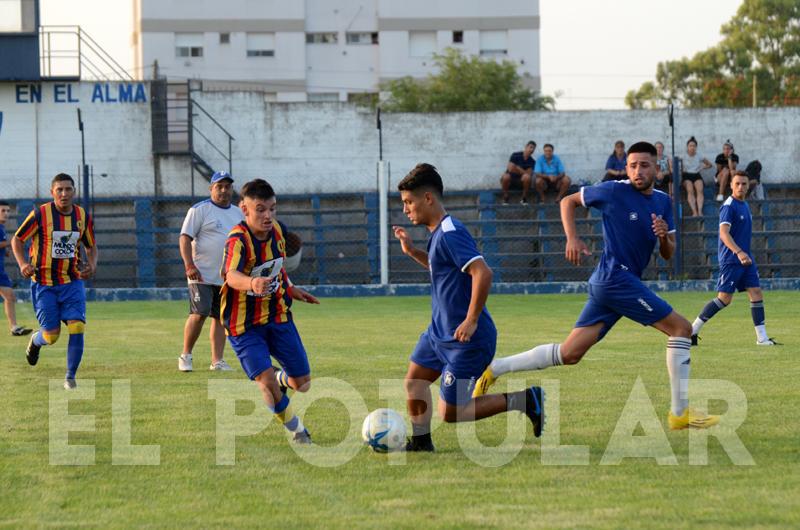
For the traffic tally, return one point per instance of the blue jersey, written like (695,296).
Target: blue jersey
(451,250)
(2,250)
(736,214)
(627,226)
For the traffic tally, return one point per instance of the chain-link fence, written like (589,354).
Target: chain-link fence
(138,239)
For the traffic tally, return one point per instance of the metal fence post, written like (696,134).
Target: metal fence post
(677,213)
(383,218)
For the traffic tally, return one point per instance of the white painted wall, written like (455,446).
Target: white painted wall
(333,147)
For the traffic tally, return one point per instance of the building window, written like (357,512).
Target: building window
(421,43)
(362,38)
(323,96)
(322,38)
(458,37)
(261,45)
(224,38)
(188,45)
(494,42)
(17,16)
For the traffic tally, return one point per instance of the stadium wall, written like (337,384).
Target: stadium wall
(333,147)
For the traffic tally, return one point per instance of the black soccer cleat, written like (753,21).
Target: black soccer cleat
(417,445)
(534,409)
(695,340)
(32,352)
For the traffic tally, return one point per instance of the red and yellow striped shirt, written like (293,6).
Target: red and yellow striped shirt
(242,310)
(56,241)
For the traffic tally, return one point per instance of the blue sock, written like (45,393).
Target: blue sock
(712,308)
(757,312)
(38,339)
(74,354)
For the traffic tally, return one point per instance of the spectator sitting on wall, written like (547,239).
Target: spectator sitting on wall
(726,167)
(753,171)
(550,174)
(615,166)
(519,172)
(692,164)
(663,180)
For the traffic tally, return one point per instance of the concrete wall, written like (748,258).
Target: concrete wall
(333,147)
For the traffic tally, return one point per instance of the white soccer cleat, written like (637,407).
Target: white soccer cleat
(221,366)
(768,342)
(70,384)
(185,363)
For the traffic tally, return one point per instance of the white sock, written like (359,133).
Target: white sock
(678,367)
(696,325)
(186,355)
(538,358)
(761,333)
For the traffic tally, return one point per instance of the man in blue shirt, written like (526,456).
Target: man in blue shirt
(6,288)
(519,172)
(635,218)
(460,341)
(737,270)
(550,174)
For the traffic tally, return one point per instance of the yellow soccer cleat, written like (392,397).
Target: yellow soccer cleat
(486,380)
(691,419)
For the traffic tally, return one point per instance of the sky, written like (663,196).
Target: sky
(592,51)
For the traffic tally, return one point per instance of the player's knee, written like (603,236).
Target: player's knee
(414,386)
(75,328)
(51,337)
(505,179)
(302,384)
(448,413)
(526,178)
(681,328)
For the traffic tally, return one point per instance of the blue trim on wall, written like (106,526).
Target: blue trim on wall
(418,289)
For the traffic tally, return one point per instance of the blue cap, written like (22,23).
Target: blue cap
(220,175)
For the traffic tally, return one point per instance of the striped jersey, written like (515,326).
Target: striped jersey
(56,240)
(244,252)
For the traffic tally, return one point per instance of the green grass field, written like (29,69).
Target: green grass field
(362,341)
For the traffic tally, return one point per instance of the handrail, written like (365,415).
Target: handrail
(85,48)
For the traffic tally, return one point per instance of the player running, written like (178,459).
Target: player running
(6,287)
(737,270)
(635,217)
(256,305)
(57,230)
(460,341)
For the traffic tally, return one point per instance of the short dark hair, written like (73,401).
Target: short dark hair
(737,173)
(60,178)
(4,203)
(257,189)
(545,146)
(422,176)
(531,142)
(643,147)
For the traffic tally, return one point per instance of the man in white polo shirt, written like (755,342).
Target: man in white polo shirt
(202,243)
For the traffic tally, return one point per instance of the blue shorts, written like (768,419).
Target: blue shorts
(58,303)
(282,341)
(736,277)
(626,297)
(5,281)
(460,366)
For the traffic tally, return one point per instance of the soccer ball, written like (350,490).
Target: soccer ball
(384,430)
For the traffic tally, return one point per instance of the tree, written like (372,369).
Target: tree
(760,48)
(464,84)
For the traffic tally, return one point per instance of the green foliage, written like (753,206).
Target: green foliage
(760,46)
(465,83)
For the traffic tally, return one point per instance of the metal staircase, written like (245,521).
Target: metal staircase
(182,127)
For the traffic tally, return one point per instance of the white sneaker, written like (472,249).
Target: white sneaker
(185,363)
(221,365)
(719,197)
(70,384)
(768,342)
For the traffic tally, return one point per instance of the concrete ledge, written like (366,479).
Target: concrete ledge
(417,289)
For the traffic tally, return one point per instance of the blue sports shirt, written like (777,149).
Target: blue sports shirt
(518,158)
(554,167)
(736,214)
(2,250)
(627,226)
(451,250)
